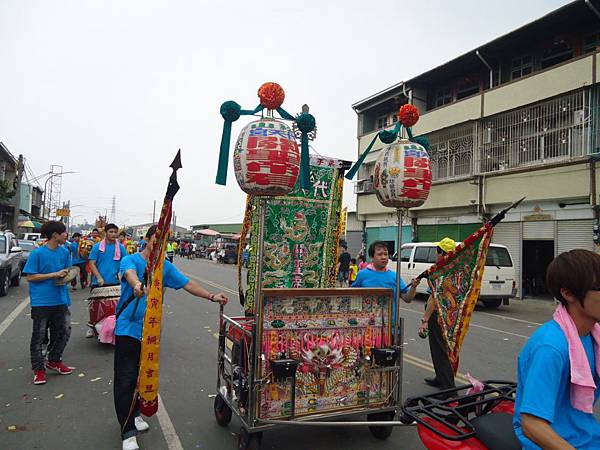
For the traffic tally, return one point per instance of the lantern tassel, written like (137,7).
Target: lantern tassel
(304,162)
(230,111)
(224,154)
(386,136)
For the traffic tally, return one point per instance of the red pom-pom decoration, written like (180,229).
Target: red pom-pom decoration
(271,95)
(408,115)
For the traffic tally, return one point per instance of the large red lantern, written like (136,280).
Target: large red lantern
(266,159)
(402,177)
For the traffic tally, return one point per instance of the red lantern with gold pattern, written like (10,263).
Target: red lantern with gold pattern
(266,159)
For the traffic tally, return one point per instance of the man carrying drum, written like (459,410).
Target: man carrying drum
(105,259)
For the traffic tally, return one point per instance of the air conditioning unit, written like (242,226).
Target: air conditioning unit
(363,187)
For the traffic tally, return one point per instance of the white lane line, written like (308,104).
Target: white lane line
(13,315)
(499,331)
(509,318)
(476,326)
(168,430)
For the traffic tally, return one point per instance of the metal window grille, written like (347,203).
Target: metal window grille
(451,152)
(541,133)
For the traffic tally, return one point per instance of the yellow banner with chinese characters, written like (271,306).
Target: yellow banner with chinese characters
(150,352)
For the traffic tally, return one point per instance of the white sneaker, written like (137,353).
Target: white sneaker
(141,424)
(89,333)
(130,444)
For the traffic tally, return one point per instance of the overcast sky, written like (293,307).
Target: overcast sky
(111,89)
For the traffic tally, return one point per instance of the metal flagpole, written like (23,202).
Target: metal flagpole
(400,213)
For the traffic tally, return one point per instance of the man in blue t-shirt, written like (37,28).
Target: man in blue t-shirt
(105,258)
(78,261)
(49,301)
(377,274)
(544,413)
(128,332)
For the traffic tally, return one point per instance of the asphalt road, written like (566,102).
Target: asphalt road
(76,411)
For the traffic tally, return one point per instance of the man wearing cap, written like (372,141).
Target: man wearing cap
(444,375)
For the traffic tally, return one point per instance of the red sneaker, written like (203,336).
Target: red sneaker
(39,377)
(59,367)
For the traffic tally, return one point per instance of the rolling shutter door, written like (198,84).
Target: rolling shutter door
(540,230)
(509,235)
(574,234)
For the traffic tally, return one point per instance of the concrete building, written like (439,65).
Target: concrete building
(518,116)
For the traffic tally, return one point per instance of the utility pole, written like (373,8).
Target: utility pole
(154,212)
(17,185)
(113,210)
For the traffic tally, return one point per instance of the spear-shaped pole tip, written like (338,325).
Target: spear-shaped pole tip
(176,164)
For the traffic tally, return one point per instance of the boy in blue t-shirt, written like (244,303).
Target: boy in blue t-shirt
(545,416)
(128,332)
(49,301)
(105,258)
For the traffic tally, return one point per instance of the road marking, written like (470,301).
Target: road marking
(210,283)
(13,315)
(168,430)
(415,361)
(476,326)
(509,318)
(500,331)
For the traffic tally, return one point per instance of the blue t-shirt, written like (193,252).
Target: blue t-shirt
(44,260)
(105,263)
(544,375)
(368,278)
(131,320)
(74,251)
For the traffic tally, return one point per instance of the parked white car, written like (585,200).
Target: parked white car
(499,276)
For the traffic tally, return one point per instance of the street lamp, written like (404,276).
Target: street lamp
(46,191)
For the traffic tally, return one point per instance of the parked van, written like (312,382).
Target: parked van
(499,276)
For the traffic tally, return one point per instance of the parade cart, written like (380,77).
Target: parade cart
(305,353)
(310,355)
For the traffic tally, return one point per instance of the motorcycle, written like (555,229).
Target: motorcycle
(462,419)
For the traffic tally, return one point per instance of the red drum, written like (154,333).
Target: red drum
(103,302)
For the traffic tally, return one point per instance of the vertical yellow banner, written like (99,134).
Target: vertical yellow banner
(150,353)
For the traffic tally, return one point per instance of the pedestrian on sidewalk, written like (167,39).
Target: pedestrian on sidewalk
(49,302)
(128,333)
(343,266)
(558,369)
(430,327)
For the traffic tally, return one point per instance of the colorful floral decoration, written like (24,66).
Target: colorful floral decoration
(271,95)
(266,163)
(408,115)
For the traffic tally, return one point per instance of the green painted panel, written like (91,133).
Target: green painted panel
(434,233)
(387,234)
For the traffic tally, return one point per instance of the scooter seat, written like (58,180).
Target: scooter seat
(495,431)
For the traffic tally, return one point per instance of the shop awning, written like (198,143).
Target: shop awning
(208,232)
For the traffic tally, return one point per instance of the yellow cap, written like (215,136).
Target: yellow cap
(447,244)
